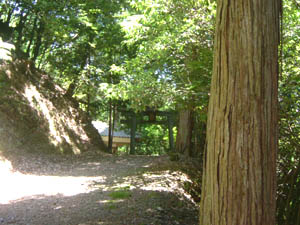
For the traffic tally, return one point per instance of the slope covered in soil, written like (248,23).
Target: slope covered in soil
(37,116)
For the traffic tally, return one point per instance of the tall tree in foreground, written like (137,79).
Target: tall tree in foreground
(239,181)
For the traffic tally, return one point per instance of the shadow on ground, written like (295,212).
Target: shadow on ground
(56,190)
(99,208)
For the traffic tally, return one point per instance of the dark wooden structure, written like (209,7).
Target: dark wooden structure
(148,116)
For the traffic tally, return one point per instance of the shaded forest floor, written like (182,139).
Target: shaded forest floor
(93,189)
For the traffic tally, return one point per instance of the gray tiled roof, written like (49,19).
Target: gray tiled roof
(102,128)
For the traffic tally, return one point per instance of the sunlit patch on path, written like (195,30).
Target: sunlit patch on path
(17,186)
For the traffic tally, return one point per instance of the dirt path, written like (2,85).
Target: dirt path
(93,189)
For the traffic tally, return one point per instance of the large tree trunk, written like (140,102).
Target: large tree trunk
(239,182)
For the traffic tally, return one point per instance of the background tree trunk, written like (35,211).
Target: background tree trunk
(184,134)
(239,182)
(110,126)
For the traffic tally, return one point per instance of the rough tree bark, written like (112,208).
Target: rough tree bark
(239,181)
(184,134)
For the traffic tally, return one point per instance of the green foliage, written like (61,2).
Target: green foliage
(77,41)
(173,59)
(154,140)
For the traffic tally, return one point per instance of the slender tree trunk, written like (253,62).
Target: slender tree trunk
(88,93)
(33,31)
(114,150)
(38,41)
(88,100)
(19,28)
(110,127)
(239,181)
